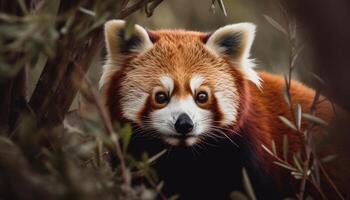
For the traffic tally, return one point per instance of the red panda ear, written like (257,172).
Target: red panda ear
(119,46)
(234,42)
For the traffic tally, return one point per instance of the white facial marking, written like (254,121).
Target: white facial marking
(195,82)
(172,141)
(191,141)
(168,83)
(163,120)
(227,101)
(132,103)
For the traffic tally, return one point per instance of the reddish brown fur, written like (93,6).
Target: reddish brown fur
(259,109)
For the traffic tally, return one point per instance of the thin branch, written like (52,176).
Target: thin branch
(128,10)
(330,181)
(308,149)
(108,126)
(150,9)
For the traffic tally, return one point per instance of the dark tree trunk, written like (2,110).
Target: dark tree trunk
(326,24)
(60,79)
(12,89)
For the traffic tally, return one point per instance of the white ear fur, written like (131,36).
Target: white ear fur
(235,41)
(118,47)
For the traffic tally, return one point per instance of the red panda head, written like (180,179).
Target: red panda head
(180,85)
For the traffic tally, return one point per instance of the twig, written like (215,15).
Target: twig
(160,193)
(150,9)
(128,10)
(108,126)
(317,187)
(331,181)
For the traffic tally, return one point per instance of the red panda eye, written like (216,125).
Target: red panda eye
(202,97)
(161,98)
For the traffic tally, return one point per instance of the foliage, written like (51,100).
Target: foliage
(42,156)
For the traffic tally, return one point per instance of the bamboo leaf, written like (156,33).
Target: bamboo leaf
(222,7)
(274,150)
(247,185)
(316,171)
(297,175)
(292,29)
(238,196)
(298,113)
(296,55)
(297,163)
(286,96)
(285,91)
(315,120)
(155,157)
(212,6)
(285,147)
(23,6)
(287,122)
(319,79)
(329,158)
(87,11)
(266,149)
(125,134)
(275,24)
(289,167)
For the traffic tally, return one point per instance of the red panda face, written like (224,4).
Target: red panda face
(178,85)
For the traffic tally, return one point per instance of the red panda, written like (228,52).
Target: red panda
(198,95)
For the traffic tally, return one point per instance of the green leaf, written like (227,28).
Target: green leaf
(287,122)
(275,24)
(247,185)
(285,147)
(315,120)
(145,158)
(298,113)
(125,134)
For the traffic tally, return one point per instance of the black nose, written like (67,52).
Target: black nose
(184,124)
